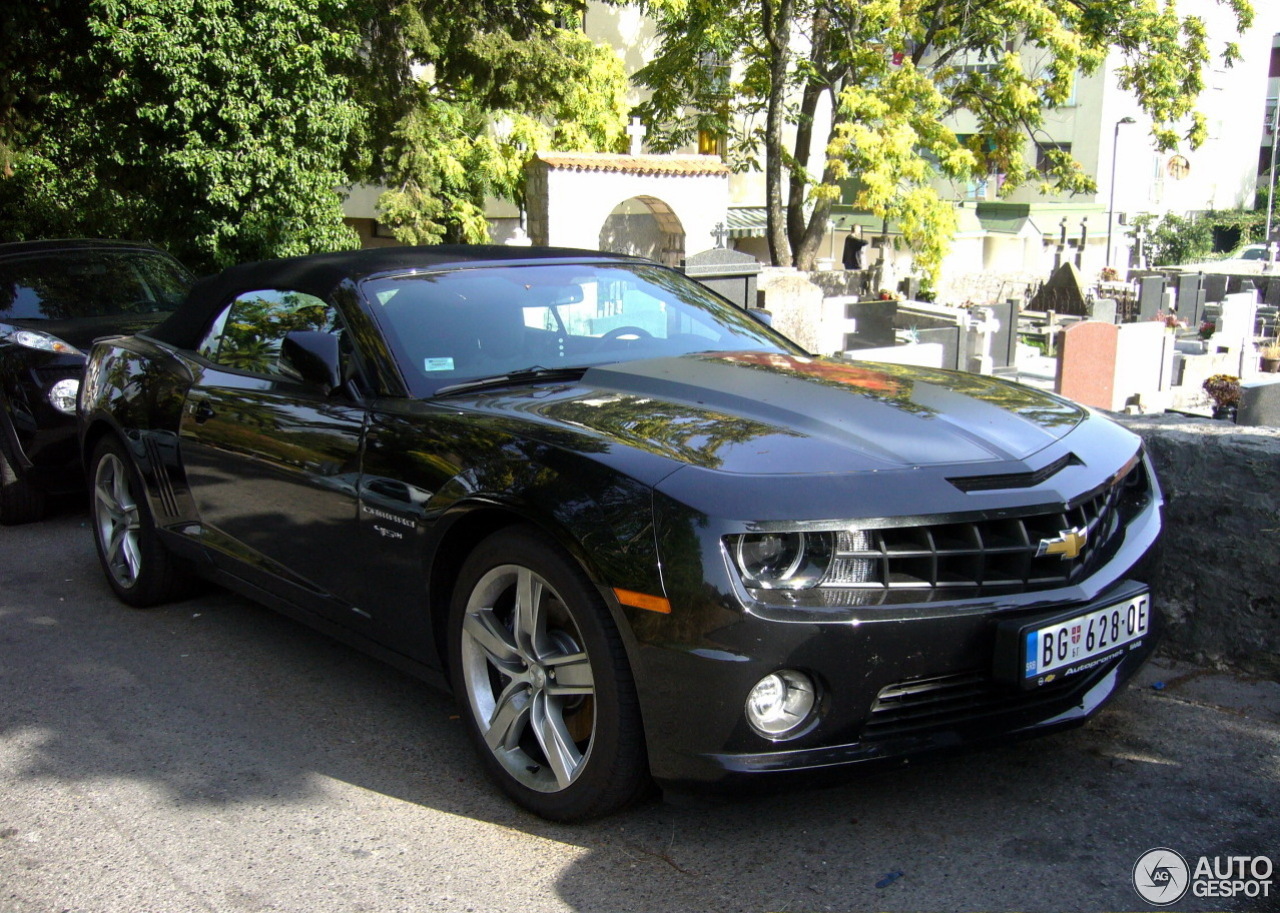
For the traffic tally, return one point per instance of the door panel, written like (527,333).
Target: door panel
(274,468)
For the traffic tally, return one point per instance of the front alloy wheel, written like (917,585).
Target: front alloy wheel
(541,677)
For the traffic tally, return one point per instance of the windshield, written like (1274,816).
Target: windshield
(73,284)
(446,328)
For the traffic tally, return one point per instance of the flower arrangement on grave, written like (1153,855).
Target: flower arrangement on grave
(886,295)
(1109,274)
(1171,321)
(1207,329)
(1270,353)
(1223,389)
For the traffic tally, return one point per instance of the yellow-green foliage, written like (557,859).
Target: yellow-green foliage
(896,70)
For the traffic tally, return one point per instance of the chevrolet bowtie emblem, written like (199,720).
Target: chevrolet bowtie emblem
(1067,545)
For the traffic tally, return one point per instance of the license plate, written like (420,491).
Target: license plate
(1085,641)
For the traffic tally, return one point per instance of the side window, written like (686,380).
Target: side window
(246,336)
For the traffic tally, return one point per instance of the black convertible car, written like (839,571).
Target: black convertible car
(56,297)
(638,533)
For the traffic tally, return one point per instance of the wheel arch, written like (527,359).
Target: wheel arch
(470,525)
(91,434)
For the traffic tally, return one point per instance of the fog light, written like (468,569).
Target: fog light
(62,395)
(780,704)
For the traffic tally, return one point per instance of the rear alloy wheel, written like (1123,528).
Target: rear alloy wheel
(541,677)
(20,501)
(138,567)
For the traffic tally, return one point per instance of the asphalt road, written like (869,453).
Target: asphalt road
(213,756)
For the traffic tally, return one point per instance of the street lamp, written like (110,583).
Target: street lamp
(1271,175)
(1111,206)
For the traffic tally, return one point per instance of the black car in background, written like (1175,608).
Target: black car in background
(56,297)
(637,532)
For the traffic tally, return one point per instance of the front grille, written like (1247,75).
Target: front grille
(921,705)
(1012,554)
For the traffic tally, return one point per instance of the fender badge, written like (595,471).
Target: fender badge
(1067,545)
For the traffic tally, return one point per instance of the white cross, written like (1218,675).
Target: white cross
(636,131)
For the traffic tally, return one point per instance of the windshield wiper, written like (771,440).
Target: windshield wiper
(533,374)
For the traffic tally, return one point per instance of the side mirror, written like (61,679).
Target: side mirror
(314,355)
(765,317)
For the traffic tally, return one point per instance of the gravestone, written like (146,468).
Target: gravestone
(1004,342)
(1215,287)
(1273,292)
(1189,286)
(1150,297)
(1063,293)
(1103,310)
(949,338)
(1260,402)
(873,323)
(1112,367)
(1196,315)
(1144,366)
(1235,325)
(1087,363)
(1237,284)
(731,273)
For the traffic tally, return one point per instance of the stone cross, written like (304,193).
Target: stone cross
(720,233)
(983,322)
(636,131)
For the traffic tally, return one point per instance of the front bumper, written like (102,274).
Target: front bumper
(894,681)
(923,689)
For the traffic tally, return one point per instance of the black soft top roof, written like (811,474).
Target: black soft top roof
(321,274)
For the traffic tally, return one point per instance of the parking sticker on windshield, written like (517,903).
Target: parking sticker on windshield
(437,364)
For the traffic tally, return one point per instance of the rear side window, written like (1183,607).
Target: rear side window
(248,332)
(68,285)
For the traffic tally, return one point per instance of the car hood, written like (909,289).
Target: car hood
(82,331)
(763,413)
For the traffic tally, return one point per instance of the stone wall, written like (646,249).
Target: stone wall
(1219,583)
(987,287)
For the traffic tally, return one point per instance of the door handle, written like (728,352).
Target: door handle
(202,412)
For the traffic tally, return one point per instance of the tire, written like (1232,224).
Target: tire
(542,681)
(20,501)
(137,566)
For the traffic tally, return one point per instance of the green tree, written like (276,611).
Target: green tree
(893,72)
(461,92)
(216,127)
(1172,239)
(224,129)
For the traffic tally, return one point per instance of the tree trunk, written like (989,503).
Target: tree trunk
(799,180)
(808,245)
(777,29)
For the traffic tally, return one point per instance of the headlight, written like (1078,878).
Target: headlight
(34,339)
(780,704)
(62,395)
(781,561)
